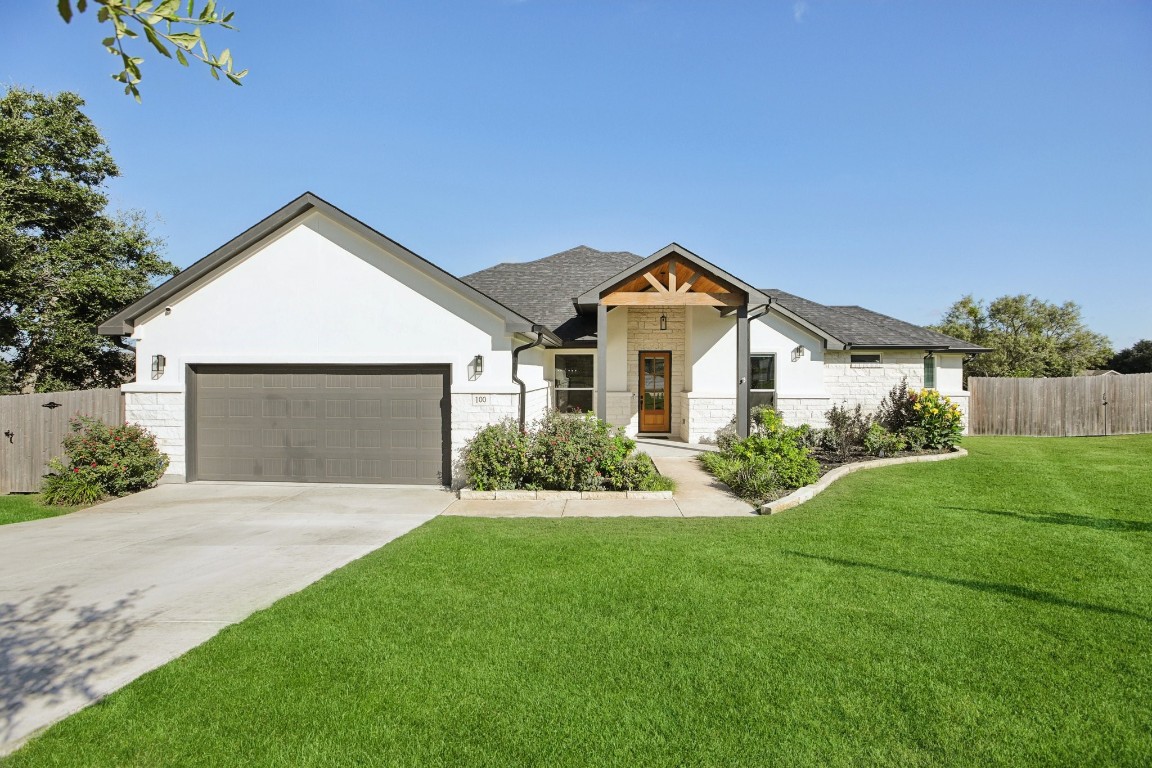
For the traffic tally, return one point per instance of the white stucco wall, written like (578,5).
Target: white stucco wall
(318,293)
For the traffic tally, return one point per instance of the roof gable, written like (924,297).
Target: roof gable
(122,322)
(592,296)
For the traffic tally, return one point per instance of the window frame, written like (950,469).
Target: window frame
(775,372)
(930,366)
(866,363)
(557,389)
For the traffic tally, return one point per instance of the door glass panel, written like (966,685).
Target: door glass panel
(654,379)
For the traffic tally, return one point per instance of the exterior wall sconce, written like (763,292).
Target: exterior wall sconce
(663,322)
(798,353)
(478,365)
(158,362)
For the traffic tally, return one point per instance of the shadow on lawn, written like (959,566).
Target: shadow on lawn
(981,586)
(1065,518)
(51,650)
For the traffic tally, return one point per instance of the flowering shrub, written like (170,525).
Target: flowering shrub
(101,460)
(497,457)
(560,452)
(939,417)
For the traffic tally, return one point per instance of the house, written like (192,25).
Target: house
(313,348)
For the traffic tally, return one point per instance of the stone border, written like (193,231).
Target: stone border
(469,494)
(801,495)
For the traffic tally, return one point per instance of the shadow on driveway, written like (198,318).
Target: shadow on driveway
(50,651)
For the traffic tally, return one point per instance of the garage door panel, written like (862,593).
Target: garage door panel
(369,425)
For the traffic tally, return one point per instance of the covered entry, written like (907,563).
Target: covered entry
(320,424)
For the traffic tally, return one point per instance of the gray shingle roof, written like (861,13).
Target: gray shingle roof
(860,327)
(543,290)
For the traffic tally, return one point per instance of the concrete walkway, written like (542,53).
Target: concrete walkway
(698,494)
(92,600)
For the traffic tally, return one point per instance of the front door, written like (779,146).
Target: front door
(655,392)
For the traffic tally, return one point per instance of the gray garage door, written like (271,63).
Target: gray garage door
(313,424)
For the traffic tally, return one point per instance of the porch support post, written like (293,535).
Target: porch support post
(742,362)
(602,361)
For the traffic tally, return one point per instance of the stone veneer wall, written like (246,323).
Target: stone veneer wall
(706,414)
(162,413)
(644,335)
(622,410)
(848,384)
(470,416)
(804,410)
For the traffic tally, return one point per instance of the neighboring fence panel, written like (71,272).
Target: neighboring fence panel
(32,433)
(1061,407)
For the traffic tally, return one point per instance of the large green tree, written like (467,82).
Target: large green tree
(65,262)
(1135,359)
(1027,336)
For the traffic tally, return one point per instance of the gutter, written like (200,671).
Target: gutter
(541,333)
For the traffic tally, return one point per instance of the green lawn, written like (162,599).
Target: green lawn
(995,610)
(19,508)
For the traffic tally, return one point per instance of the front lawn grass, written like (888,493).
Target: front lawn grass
(20,508)
(993,610)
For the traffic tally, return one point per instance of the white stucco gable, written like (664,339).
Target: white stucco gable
(316,292)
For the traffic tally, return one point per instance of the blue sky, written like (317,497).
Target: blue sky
(891,154)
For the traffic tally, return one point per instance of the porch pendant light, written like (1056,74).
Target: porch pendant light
(663,322)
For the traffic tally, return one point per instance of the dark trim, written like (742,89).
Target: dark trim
(600,372)
(523,398)
(192,370)
(640,392)
(925,347)
(743,372)
(123,321)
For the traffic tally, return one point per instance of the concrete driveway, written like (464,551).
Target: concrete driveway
(92,600)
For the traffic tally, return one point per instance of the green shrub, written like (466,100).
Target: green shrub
(71,489)
(562,452)
(939,417)
(915,438)
(771,459)
(846,430)
(102,460)
(879,441)
(896,413)
(498,456)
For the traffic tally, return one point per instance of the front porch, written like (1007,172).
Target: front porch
(672,347)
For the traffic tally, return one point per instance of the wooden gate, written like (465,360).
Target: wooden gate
(32,430)
(1061,407)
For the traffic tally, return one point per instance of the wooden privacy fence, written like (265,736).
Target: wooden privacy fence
(1064,407)
(32,430)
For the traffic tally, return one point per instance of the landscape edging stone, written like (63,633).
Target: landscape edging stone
(801,495)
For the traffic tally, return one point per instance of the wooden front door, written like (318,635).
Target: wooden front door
(655,391)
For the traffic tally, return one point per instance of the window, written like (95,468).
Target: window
(573,383)
(762,381)
(930,371)
(871,359)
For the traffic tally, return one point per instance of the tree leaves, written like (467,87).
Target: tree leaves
(65,263)
(1028,337)
(162,25)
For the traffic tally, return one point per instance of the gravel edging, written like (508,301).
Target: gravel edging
(472,495)
(801,495)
